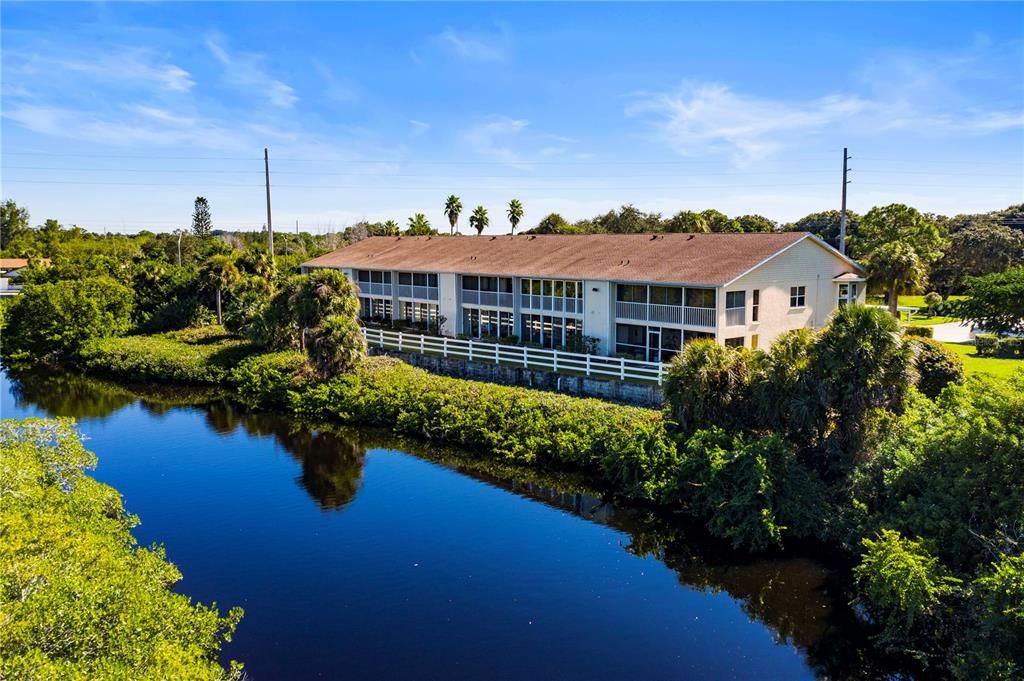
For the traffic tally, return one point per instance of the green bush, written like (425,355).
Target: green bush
(708,385)
(81,600)
(986,344)
(995,649)
(949,470)
(901,584)
(204,355)
(627,444)
(936,366)
(337,345)
(919,331)
(265,380)
(53,322)
(1010,347)
(751,491)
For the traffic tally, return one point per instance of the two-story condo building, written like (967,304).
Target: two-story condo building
(638,294)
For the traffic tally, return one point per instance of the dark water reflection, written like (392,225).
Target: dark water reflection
(331,595)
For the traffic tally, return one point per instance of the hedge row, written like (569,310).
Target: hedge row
(203,355)
(991,345)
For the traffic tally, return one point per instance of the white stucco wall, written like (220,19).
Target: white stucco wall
(804,264)
(598,317)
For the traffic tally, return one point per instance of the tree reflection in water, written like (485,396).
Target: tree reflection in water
(799,600)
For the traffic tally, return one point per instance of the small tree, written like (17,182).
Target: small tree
(995,302)
(54,321)
(310,298)
(337,345)
(479,220)
(419,226)
(391,228)
(896,267)
(708,384)
(515,213)
(202,223)
(452,210)
(219,273)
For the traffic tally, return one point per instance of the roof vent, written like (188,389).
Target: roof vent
(533,236)
(689,237)
(653,237)
(493,238)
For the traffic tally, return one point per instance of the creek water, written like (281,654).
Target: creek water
(360,556)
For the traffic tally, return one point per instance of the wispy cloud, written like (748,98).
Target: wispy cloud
(477,46)
(418,127)
(907,92)
(711,117)
(492,139)
(245,71)
(122,65)
(335,87)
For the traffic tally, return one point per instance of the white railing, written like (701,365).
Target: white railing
(486,298)
(418,292)
(666,314)
(374,289)
(550,303)
(700,316)
(518,355)
(736,316)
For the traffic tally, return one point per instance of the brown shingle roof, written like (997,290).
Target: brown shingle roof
(702,259)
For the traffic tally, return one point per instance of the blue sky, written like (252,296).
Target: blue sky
(115,116)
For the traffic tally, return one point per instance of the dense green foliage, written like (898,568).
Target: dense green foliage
(265,380)
(54,321)
(80,599)
(936,366)
(205,355)
(995,302)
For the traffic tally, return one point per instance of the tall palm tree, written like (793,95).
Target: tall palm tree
(896,267)
(452,209)
(479,220)
(515,213)
(220,273)
(391,228)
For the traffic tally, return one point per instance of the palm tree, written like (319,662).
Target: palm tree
(419,226)
(515,213)
(896,267)
(220,273)
(391,228)
(452,209)
(479,220)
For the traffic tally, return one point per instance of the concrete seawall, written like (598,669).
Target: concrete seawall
(639,394)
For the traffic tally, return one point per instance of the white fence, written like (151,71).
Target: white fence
(520,356)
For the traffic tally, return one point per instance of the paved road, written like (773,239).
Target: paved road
(954,332)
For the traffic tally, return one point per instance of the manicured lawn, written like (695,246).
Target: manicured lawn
(997,366)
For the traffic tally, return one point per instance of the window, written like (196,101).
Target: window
(847,294)
(754,304)
(363,276)
(797,296)
(470,283)
(736,342)
(700,297)
(405,279)
(735,308)
(419,312)
(631,293)
(666,295)
(753,342)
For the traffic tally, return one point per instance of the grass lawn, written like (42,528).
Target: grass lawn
(997,366)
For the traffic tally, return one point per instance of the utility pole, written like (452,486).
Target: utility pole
(180,232)
(842,214)
(270,225)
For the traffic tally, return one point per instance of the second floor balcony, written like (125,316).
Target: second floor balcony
(667,314)
(487,298)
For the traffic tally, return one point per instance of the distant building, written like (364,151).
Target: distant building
(10,272)
(642,295)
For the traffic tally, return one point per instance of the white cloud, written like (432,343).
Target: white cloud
(119,66)
(335,87)
(711,117)
(491,138)
(418,127)
(931,95)
(245,71)
(476,46)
